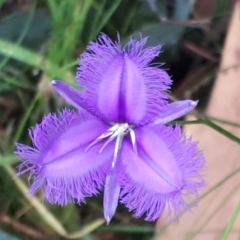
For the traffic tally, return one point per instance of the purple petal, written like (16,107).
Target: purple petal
(111,196)
(175,110)
(59,162)
(166,171)
(120,84)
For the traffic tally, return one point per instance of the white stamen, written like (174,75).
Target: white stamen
(106,143)
(133,140)
(118,131)
(118,145)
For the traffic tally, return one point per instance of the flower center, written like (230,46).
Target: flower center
(118,131)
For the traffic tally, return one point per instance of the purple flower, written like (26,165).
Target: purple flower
(118,141)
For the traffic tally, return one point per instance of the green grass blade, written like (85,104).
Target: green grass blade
(15,82)
(40,208)
(108,14)
(234,124)
(26,117)
(53,6)
(8,160)
(231,222)
(90,227)
(33,59)
(211,125)
(128,228)
(105,18)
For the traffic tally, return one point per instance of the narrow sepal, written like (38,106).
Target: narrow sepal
(175,110)
(70,94)
(111,195)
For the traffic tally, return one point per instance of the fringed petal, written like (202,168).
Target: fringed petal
(175,110)
(120,83)
(164,174)
(59,163)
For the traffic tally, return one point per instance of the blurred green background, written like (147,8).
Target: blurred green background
(41,40)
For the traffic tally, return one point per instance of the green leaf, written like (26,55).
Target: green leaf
(231,222)
(158,7)
(161,34)
(37,32)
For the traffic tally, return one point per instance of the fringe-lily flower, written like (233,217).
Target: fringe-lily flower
(119,139)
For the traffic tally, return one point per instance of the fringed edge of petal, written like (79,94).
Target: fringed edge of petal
(135,49)
(42,135)
(52,126)
(151,204)
(97,57)
(148,203)
(62,190)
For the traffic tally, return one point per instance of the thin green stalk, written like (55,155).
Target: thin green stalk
(90,227)
(106,17)
(25,117)
(69,65)
(211,125)
(86,5)
(129,228)
(98,8)
(15,81)
(220,183)
(128,20)
(231,222)
(234,124)
(214,212)
(71,32)
(7,160)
